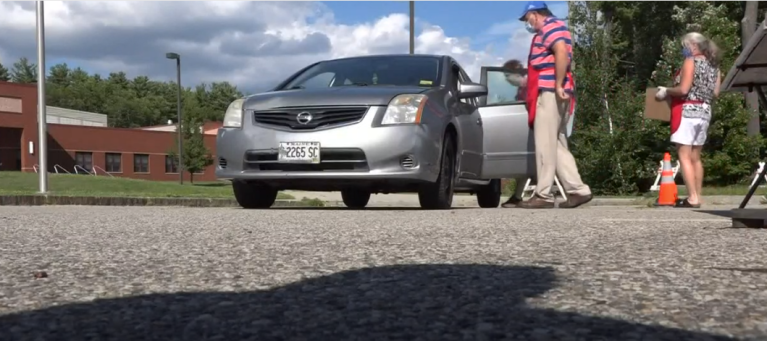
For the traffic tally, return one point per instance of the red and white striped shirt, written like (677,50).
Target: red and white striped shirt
(542,57)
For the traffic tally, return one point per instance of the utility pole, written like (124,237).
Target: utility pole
(179,126)
(42,124)
(412,27)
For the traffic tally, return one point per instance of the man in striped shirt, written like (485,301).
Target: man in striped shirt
(550,96)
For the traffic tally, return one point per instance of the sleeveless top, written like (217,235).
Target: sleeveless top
(702,89)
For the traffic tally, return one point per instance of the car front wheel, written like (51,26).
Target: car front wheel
(439,195)
(489,196)
(355,198)
(253,195)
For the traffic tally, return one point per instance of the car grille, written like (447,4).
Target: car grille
(331,159)
(321,117)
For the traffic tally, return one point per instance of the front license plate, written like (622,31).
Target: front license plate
(299,152)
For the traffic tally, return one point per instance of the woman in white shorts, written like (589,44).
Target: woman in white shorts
(696,87)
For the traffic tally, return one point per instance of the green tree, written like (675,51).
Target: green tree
(729,155)
(59,75)
(221,95)
(4,76)
(636,36)
(196,155)
(616,148)
(618,47)
(24,72)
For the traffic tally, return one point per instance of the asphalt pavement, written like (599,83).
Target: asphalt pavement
(596,273)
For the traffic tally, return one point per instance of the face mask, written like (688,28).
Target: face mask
(686,53)
(529,28)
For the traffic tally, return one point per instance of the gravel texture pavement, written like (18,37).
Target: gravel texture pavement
(598,273)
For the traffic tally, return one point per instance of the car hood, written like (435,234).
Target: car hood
(347,95)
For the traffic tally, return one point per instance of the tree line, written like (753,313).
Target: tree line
(129,103)
(132,103)
(620,48)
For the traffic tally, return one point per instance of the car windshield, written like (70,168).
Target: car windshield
(421,71)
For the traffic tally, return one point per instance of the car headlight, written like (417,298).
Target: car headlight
(404,109)
(233,115)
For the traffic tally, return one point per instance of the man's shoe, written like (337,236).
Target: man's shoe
(512,202)
(536,202)
(574,200)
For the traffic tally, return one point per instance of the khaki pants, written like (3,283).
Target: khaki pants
(551,153)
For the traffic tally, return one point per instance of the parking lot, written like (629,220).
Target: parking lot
(598,273)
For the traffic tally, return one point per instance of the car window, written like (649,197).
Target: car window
(321,80)
(501,91)
(421,71)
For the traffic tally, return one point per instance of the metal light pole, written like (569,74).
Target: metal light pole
(42,124)
(412,27)
(179,132)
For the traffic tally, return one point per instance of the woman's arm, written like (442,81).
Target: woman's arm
(681,90)
(718,83)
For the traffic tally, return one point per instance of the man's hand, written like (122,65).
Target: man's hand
(561,93)
(661,94)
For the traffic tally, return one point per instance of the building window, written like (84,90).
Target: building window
(114,162)
(141,163)
(170,164)
(84,160)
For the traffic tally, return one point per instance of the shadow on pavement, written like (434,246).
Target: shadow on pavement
(419,302)
(719,213)
(380,208)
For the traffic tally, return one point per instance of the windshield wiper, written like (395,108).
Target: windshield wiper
(295,87)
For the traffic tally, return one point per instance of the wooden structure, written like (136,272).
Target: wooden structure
(749,73)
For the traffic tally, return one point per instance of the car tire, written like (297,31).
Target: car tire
(252,195)
(489,196)
(439,195)
(355,198)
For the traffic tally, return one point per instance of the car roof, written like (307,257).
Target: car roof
(389,55)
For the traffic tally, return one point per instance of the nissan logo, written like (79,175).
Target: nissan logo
(304,118)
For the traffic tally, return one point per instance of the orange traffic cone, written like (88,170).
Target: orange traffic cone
(667,195)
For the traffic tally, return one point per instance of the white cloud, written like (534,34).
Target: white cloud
(252,44)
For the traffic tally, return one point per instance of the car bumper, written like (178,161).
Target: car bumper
(250,152)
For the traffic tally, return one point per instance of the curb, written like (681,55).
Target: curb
(727,200)
(43,200)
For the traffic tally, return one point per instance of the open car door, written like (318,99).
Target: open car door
(508,144)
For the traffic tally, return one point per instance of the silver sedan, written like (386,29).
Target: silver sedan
(378,124)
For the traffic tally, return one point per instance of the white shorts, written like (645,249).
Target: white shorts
(691,132)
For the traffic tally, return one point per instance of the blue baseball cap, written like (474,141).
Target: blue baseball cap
(532,6)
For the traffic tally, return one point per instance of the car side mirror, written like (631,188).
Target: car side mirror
(471,90)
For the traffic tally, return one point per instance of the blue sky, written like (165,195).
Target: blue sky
(277,39)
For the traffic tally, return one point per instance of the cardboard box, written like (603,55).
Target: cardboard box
(655,109)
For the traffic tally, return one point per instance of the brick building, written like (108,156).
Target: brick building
(81,142)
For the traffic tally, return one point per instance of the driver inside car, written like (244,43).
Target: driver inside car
(516,77)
